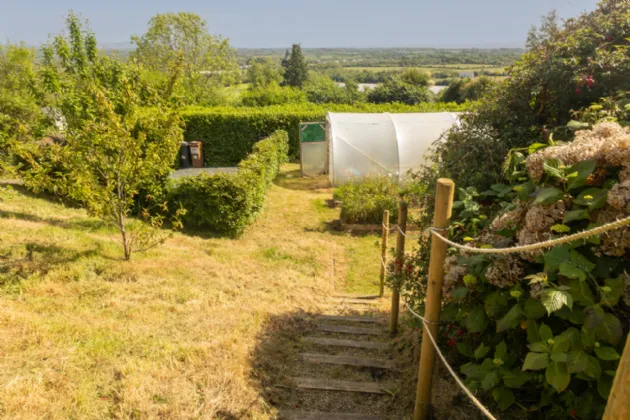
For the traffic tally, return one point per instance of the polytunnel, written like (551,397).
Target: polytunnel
(362,145)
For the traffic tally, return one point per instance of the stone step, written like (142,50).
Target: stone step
(361,319)
(349,330)
(347,343)
(334,385)
(346,360)
(319,415)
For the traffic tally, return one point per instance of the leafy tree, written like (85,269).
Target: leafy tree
(273,94)
(548,31)
(295,67)
(19,113)
(323,90)
(181,42)
(263,73)
(110,151)
(462,90)
(416,77)
(398,90)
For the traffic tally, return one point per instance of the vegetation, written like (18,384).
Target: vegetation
(462,90)
(227,203)
(295,68)
(364,201)
(180,44)
(410,88)
(228,134)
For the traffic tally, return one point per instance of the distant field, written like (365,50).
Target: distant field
(462,67)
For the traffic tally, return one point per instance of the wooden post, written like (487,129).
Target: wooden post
(618,406)
(384,237)
(400,256)
(443,209)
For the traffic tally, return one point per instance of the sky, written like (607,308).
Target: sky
(321,23)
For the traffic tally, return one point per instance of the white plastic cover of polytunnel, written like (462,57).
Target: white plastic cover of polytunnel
(364,145)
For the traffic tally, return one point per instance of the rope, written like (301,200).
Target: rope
(533,247)
(401,232)
(480,406)
(384,265)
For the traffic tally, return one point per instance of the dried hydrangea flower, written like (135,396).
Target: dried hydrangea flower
(453,274)
(614,243)
(619,195)
(505,271)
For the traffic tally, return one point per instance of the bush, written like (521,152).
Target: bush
(227,203)
(563,313)
(462,90)
(365,200)
(228,134)
(401,90)
(323,90)
(569,69)
(273,94)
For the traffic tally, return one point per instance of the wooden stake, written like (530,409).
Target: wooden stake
(384,236)
(400,256)
(443,209)
(618,406)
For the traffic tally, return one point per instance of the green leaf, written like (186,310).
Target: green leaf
(559,357)
(477,321)
(532,332)
(534,309)
(533,148)
(494,303)
(500,351)
(573,215)
(607,353)
(459,292)
(553,300)
(578,361)
(535,361)
(604,385)
(561,344)
(610,330)
(554,168)
(593,368)
(472,371)
(582,171)
(558,228)
(577,125)
(569,270)
(545,333)
(539,347)
(593,317)
(481,351)
(592,198)
(503,397)
(548,196)
(554,258)
(557,375)
(491,380)
(465,348)
(516,378)
(580,291)
(587,337)
(615,288)
(511,320)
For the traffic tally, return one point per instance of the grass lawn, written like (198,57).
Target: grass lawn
(170,334)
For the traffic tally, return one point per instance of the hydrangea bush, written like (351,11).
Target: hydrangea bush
(541,333)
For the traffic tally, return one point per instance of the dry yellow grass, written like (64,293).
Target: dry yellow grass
(172,333)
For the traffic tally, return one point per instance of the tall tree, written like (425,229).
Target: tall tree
(263,73)
(295,67)
(181,41)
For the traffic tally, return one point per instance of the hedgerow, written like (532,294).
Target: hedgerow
(229,134)
(226,203)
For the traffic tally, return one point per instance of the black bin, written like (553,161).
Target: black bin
(185,157)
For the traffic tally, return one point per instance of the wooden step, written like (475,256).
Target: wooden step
(333,385)
(347,343)
(362,319)
(351,301)
(349,330)
(351,296)
(319,415)
(346,360)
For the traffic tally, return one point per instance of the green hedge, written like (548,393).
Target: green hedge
(227,203)
(228,134)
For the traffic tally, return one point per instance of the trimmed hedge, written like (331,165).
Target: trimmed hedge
(226,203)
(228,134)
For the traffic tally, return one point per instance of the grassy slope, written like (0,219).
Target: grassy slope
(170,334)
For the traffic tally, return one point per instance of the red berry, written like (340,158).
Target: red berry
(573,412)
(578,91)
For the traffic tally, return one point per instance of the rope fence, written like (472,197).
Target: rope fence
(540,245)
(459,382)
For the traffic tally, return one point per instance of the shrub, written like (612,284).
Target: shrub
(364,201)
(227,203)
(273,94)
(569,69)
(563,313)
(398,89)
(228,134)
(462,90)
